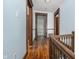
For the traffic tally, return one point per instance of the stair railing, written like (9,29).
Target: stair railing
(59,49)
(67,40)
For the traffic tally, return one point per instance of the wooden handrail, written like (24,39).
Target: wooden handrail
(66,35)
(63,48)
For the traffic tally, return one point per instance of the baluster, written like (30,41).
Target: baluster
(60,55)
(57,53)
(68,41)
(65,39)
(64,56)
(62,39)
(53,51)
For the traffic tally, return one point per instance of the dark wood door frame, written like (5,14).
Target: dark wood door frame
(41,14)
(29,23)
(57,22)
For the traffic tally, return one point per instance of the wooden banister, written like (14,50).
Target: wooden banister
(67,40)
(61,47)
(73,40)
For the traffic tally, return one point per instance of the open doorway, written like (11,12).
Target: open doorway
(57,22)
(41,25)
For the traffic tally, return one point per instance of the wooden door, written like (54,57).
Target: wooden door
(57,25)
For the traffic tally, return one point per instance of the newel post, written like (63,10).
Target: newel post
(73,40)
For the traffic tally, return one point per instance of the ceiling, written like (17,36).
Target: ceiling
(42,5)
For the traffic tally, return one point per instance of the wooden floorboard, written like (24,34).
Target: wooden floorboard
(39,50)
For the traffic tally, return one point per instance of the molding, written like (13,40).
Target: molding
(25,55)
(47,29)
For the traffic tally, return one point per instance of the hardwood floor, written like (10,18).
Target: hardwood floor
(39,50)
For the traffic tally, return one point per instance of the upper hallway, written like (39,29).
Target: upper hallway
(15,24)
(40,27)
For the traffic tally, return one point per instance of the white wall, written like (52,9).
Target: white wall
(67,16)
(14,29)
(50,21)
